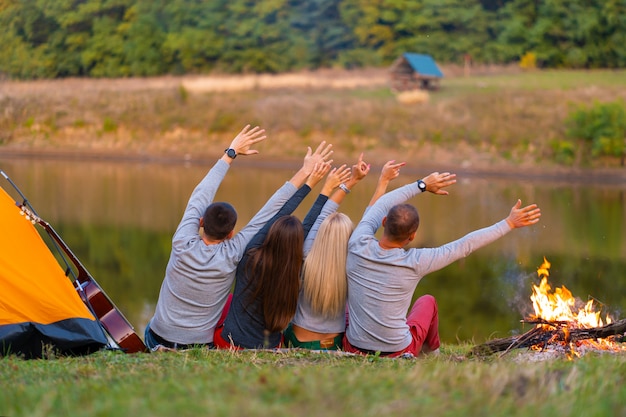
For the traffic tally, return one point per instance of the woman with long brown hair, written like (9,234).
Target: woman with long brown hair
(268,276)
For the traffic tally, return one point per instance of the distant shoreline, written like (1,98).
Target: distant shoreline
(595,176)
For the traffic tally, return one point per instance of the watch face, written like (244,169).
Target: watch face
(231,153)
(421,185)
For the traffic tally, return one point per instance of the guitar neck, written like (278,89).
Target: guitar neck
(83,274)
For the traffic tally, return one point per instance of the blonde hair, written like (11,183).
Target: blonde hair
(324,281)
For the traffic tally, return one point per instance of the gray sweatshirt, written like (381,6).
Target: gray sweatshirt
(381,282)
(198,276)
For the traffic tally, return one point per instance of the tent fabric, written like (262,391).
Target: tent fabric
(39,306)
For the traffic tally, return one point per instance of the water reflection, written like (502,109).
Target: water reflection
(119,218)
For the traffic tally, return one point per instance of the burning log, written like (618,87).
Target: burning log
(547,332)
(558,323)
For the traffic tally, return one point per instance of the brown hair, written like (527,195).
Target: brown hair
(275,268)
(402,221)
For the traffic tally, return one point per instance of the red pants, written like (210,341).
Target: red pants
(423,321)
(218,340)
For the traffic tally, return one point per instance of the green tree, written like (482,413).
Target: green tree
(24,35)
(445,29)
(511,31)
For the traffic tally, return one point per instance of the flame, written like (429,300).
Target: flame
(560,305)
(559,308)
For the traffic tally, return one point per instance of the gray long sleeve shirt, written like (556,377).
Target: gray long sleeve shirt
(198,276)
(381,282)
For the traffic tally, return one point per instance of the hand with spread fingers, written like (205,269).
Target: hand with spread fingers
(311,159)
(246,138)
(321,154)
(523,216)
(436,181)
(319,171)
(335,177)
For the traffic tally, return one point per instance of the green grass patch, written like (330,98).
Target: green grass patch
(221,383)
(109,125)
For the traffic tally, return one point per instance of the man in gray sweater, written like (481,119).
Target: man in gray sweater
(382,274)
(202,266)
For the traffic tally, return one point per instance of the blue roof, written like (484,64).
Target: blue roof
(423,64)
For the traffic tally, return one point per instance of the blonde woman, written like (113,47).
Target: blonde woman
(320,320)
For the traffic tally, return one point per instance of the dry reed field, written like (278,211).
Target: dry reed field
(489,119)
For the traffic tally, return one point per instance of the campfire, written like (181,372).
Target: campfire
(563,323)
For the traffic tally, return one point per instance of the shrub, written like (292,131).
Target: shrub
(603,125)
(109,125)
(564,151)
(528,61)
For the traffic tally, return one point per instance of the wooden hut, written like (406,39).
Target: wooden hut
(415,71)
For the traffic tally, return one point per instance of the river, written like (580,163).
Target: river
(119,217)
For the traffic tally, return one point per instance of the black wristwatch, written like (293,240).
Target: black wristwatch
(421,185)
(230,152)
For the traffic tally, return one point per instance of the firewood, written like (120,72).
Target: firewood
(540,335)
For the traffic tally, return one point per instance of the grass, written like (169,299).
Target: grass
(500,118)
(222,383)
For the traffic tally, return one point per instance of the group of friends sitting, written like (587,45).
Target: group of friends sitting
(320,283)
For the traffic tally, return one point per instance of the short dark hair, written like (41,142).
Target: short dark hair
(402,221)
(219,220)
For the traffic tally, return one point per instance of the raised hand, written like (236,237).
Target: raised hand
(436,181)
(523,216)
(359,170)
(246,138)
(321,154)
(390,171)
(335,177)
(319,171)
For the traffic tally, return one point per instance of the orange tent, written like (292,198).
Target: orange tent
(39,306)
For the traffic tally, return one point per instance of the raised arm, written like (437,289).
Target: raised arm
(319,172)
(372,219)
(523,216)
(390,171)
(321,154)
(203,194)
(243,142)
(436,181)
(359,171)
(335,177)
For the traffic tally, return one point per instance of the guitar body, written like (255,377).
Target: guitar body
(101,306)
(111,318)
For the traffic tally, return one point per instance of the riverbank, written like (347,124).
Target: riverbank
(492,123)
(599,176)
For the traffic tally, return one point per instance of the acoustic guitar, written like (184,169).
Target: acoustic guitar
(101,306)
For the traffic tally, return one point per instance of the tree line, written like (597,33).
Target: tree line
(122,38)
